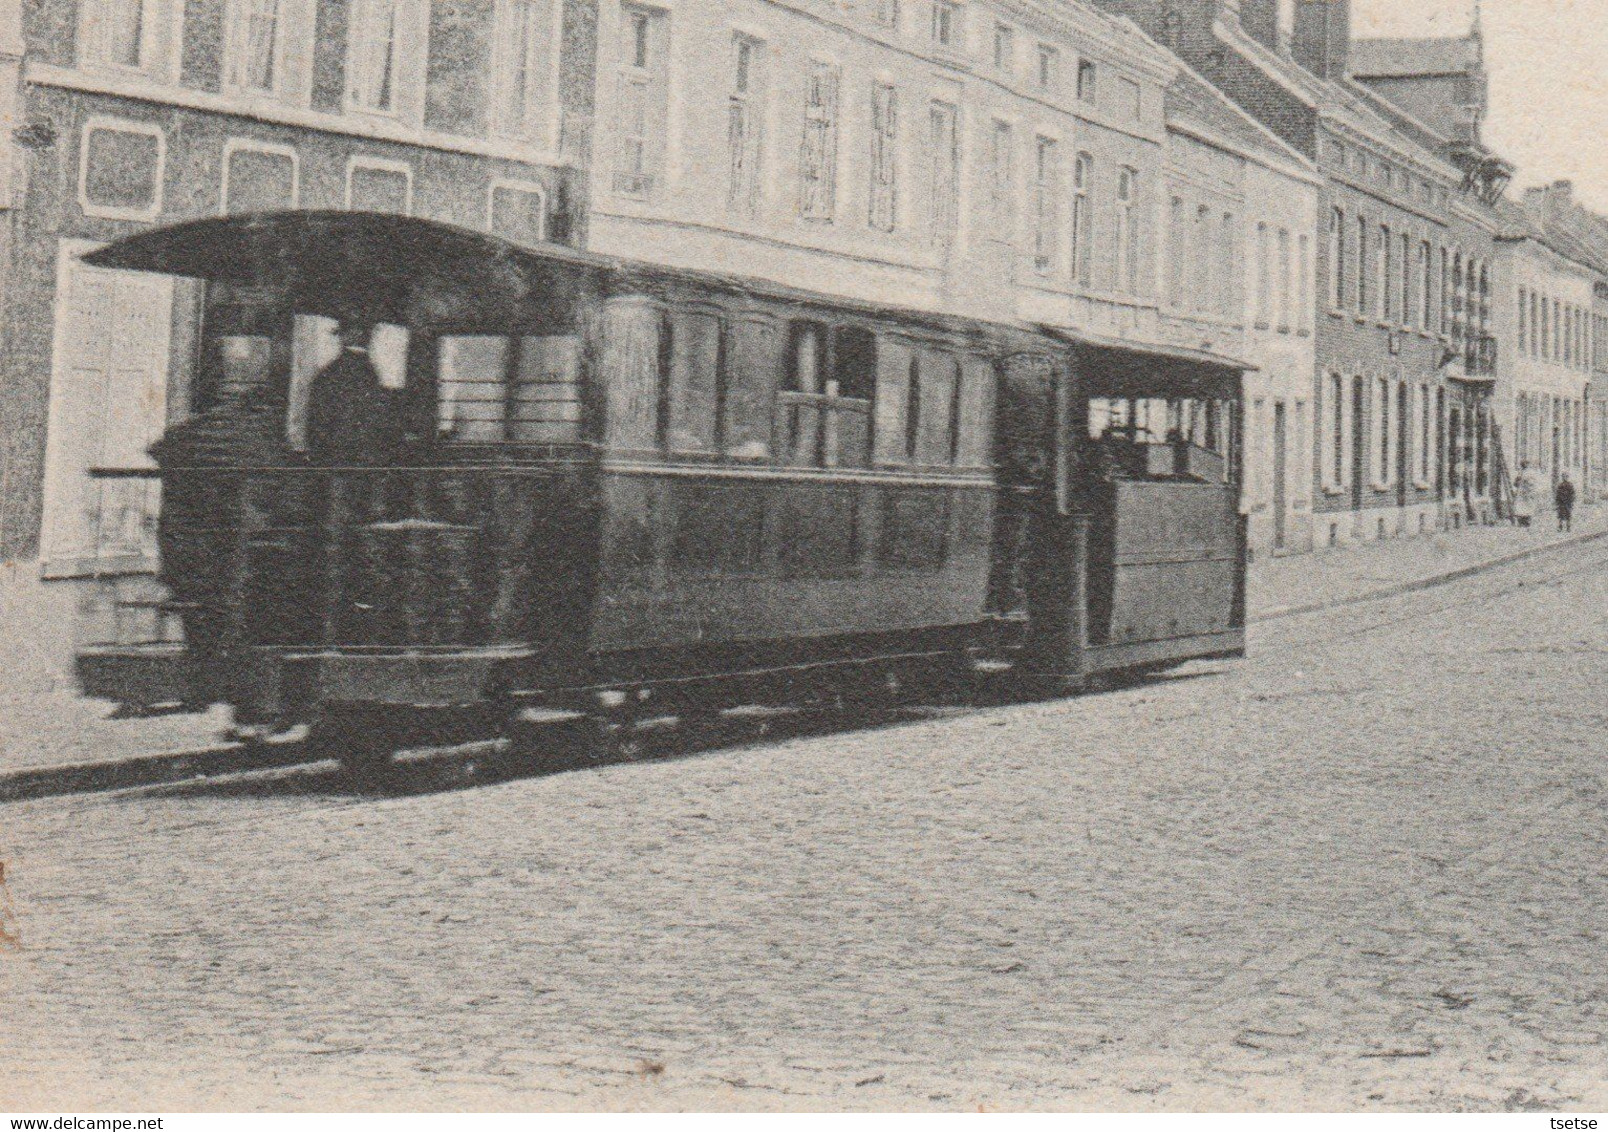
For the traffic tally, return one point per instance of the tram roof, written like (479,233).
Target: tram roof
(338,262)
(1117,367)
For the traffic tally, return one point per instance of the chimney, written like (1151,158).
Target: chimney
(1322,42)
(1563,191)
(1260,19)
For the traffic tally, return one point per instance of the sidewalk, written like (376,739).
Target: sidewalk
(52,741)
(1300,583)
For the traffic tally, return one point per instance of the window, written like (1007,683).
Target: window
(888,13)
(943,151)
(1546,329)
(1264,277)
(517,211)
(258,177)
(1177,253)
(1557,330)
(1284,267)
(1362,265)
(1083,220)
(1406,278)
(526,36)
(818,159)
(1127,233)
(1383,430)
(373,56)
(1425,414)
(642,101)
(1337,259)
(1048,57)
(1228,278)
(742,125)
(1335,466)
(121,168)
(253,61)
(1088,78)
(884,214)
(493,389)
(1130,98)
(1387,285)
(946,24)
(1524,320)
(1446,291)
(1046,174)
(116,33)
(1425,279)
(1537,312)
(1004,47)
(374,185)
(1200,260)
(1303,267)
(1002,179)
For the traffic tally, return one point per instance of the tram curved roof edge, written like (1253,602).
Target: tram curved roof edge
(306,244)
(1174,353)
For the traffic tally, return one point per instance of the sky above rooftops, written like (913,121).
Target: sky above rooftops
(1549,90)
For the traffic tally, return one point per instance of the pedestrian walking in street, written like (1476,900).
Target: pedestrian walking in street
(1524,496)
(1563,498)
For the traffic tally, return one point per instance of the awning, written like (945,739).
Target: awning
(1118,367)
(335,263)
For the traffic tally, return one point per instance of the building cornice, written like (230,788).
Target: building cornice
(158,93)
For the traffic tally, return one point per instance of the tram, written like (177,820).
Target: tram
(612,482)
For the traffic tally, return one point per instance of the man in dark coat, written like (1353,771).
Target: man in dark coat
(352,418)
(1563,498)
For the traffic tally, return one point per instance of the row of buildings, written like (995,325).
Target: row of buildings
(1239,176)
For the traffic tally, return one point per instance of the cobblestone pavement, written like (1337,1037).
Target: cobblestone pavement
(1362,869)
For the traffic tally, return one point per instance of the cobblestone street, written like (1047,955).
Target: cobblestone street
(1363,868)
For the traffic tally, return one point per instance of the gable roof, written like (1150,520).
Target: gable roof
(1190,99)
(1348,104)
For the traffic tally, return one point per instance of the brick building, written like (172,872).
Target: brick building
(1402,262)
(125,114)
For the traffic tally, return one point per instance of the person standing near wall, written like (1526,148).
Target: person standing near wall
(1563,498)
(1524,495)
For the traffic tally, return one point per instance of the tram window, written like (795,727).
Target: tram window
(545,406)
(472,388)
(930,428)
(695,382)
(854,363)
(313,346)
(388,354)
(804,373)
(823,413)
(477,406)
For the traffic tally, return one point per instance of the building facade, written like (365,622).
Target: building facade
(999,160)
(137,113)
(1402,263)
(1242,210)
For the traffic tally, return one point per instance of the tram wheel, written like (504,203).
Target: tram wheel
(362,739)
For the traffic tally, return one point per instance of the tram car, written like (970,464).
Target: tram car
(603,482)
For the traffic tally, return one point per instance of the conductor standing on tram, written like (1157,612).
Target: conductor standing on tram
(352,418)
